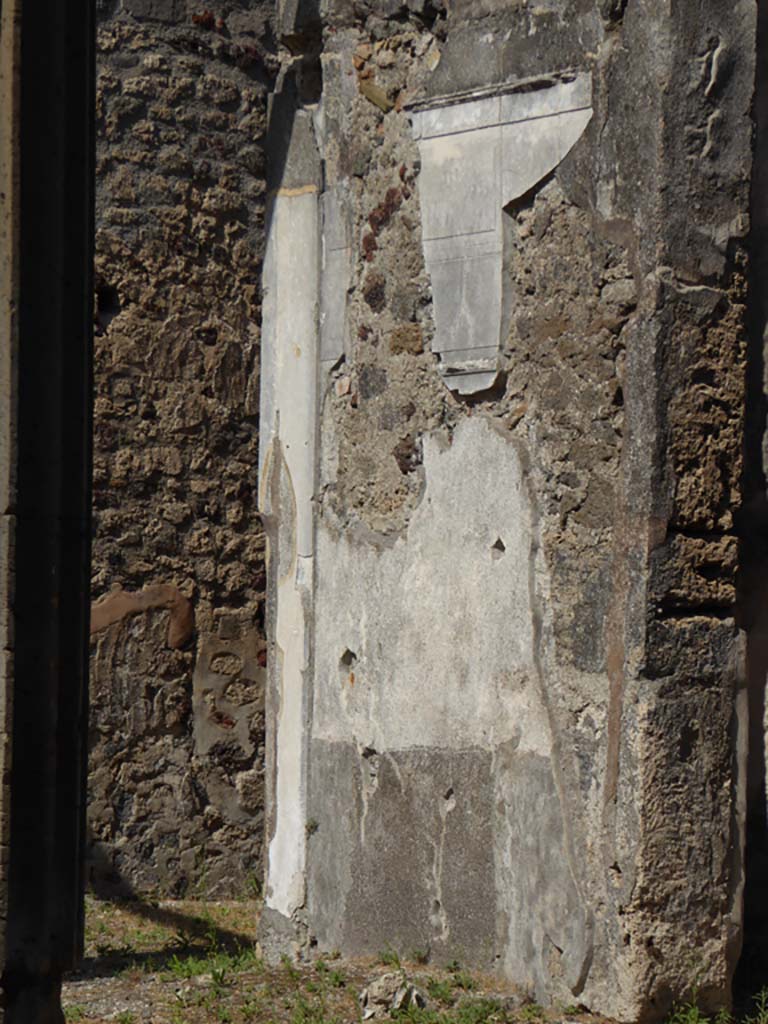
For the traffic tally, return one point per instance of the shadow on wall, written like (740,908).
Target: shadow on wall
(195,934)
(300,86)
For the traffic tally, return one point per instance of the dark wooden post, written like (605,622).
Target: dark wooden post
(46,176)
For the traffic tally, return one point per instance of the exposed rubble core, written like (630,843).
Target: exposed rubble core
(177,728)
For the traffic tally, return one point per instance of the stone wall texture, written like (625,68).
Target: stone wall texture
(516,730)
(492,704)
(177,720)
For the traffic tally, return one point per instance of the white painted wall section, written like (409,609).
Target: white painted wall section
(289,418)
(429,642)
(479,154)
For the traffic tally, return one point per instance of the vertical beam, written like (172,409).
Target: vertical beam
(9,202)
(46,78)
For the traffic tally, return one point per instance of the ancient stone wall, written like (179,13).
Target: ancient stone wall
(506,705)
(176,734)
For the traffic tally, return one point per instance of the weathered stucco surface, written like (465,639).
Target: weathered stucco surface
(177,728)
(517,734)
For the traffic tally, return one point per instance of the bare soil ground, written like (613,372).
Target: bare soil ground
(189,962)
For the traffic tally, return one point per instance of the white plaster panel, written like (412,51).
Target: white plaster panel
(477,156)
(289,388)
(293,337)
(458,117)
(461,247)
(336,228)
(336,273)
(459,174)
(287,853)
(559,98)
(532,149)
(441,623)
(333,303)
(267,395)
(463,323)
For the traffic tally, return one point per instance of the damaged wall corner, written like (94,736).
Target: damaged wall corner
(501,587)
(511,725)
